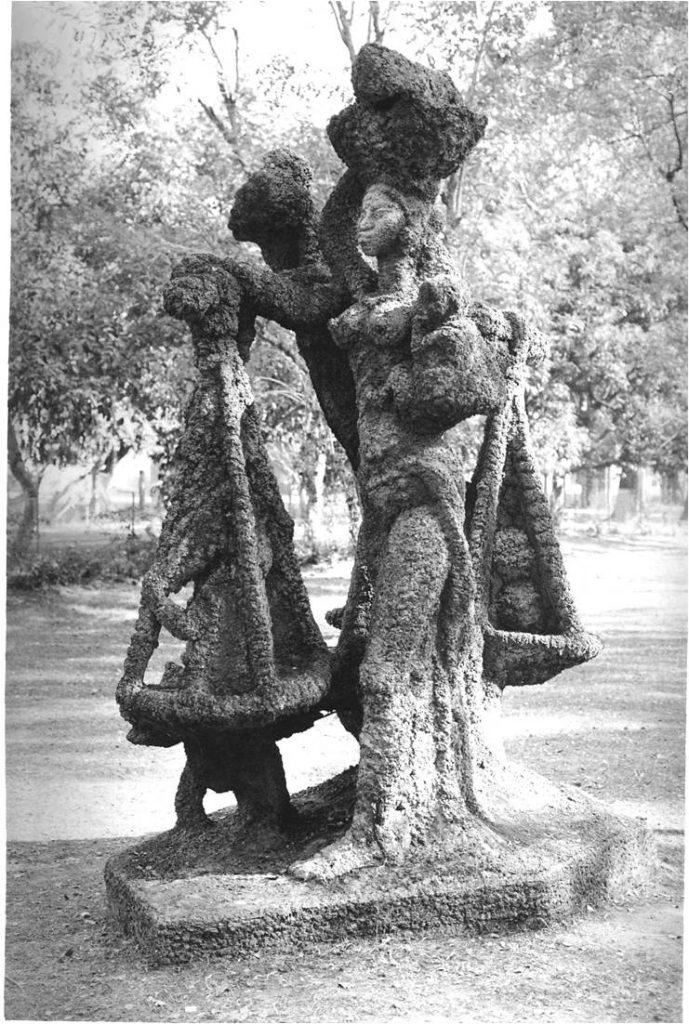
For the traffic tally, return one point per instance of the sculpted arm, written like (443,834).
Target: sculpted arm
(292,300)
(292,287)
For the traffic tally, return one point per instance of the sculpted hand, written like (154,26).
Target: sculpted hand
(209,297)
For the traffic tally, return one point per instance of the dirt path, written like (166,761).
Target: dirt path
(615,728)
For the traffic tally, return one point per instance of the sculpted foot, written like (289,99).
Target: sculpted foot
(193,822)
(339,858)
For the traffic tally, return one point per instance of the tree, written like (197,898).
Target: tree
(344,19)
(85,272)
(619,307)
(573,206)
(630,62)
(110,187)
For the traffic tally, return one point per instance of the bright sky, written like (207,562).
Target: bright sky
(293,28)
(301,32)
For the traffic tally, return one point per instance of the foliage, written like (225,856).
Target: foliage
(298,437)
(85,274)
(119,561)
(573,208)
(107,192)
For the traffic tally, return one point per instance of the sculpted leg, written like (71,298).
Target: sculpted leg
(250,766)
(257,779)
(398,759)
(189,799)
(395,696)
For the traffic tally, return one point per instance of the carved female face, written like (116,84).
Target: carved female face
(380,223)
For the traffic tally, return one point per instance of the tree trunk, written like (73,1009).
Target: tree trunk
(93,499)
(353,507)
(312,496)
(612,487)
(556,498)
(154,487)
(641,490)
(30,483)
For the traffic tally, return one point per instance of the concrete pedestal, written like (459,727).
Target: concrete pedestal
(226,889)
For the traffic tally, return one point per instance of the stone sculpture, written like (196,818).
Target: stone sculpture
(458,588)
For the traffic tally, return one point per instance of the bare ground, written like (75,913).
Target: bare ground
(77,792)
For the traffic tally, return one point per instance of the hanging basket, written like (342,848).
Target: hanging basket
(254,655)
(544,635)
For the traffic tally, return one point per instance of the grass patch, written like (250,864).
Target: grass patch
(117,561)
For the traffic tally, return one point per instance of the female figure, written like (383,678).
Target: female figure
(419,366)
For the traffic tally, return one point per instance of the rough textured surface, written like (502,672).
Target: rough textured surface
(223,890)
(408,126)
(456,592)
(248,621)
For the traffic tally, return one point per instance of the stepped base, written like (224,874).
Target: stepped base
(225,889)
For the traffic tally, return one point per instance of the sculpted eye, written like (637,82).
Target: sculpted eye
(388,208)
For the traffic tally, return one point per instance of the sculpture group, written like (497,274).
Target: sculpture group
(458,587)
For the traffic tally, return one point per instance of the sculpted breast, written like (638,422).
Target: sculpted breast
(379,320)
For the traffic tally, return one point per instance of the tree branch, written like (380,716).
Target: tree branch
(521,188)
(229,97)
(227,135)
(679,162)
(454,187)
(668,173)
(236,61)
(215,120)
(681,215)
(487,25)
(344,25)
(211,47)
(230,104)
(376,33)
